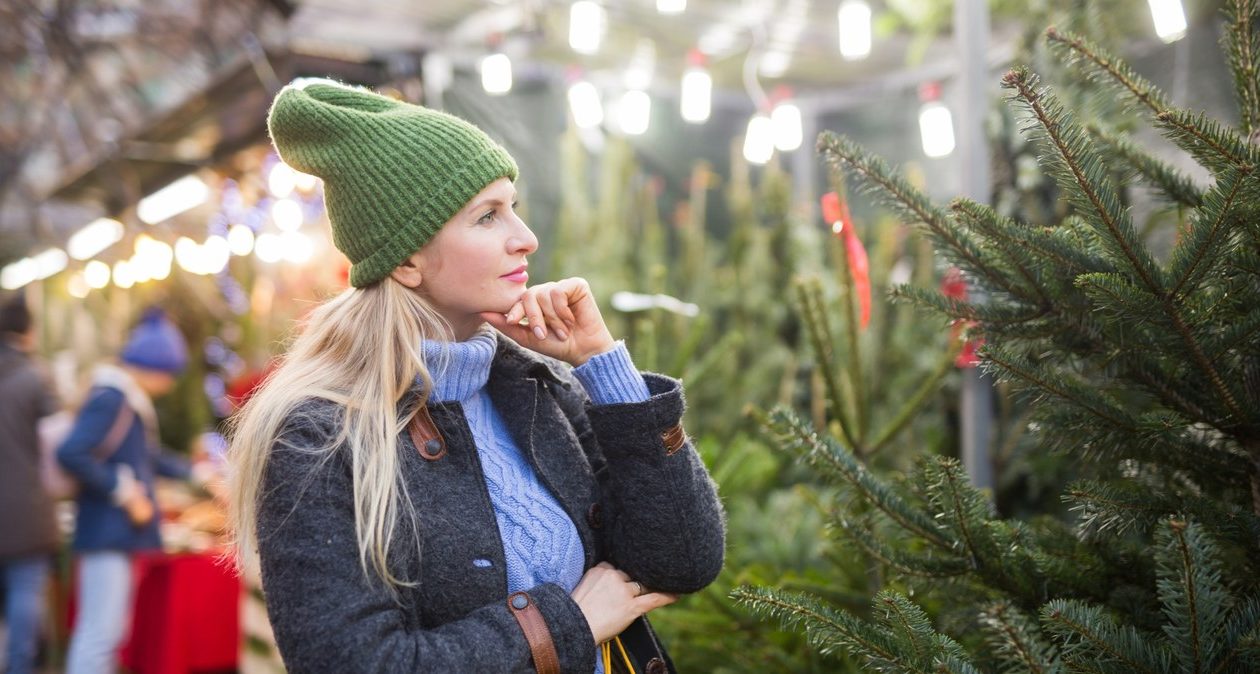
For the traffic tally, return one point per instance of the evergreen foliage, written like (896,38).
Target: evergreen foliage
(1141,366)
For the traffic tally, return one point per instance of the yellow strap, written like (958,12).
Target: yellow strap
(625,656)
(606,651)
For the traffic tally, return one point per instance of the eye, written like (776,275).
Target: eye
(486,217)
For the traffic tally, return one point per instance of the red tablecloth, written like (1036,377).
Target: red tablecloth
(187,616)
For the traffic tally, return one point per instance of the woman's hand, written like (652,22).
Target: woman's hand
(610,600)
(564,321)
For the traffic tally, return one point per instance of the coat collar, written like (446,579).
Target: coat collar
(513,361)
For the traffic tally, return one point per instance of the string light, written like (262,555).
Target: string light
(1170,19)
(936,125)
(183,194)
(587,23)
(759,140)
(785,120)
(240,239)
(95,237)
(96,274)
(671,7)
(855,29)
(588,112)
(496,74)
(697,89)
(634,112)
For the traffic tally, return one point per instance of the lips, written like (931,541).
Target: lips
(518,275)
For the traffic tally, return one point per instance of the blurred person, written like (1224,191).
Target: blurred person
(116,513)
(426,483)
(28,529)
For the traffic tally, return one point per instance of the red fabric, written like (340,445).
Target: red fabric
(187,616)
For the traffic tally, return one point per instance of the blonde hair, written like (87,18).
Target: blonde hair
(360,350)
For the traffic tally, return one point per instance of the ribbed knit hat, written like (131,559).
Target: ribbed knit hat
(393,172)
(156,344)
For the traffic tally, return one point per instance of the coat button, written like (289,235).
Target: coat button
(433,446)
(519,602)
(595,516)
(656,666)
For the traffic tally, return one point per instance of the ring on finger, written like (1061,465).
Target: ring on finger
(638,588)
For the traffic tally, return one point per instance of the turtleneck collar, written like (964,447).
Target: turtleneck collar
(460,369)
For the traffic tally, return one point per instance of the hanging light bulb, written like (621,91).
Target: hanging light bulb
(588,112)
(496,74)
(287,214)
(855,29)
(77,286)
(697,89)
(786,122)
(634,112)
(1169,18)
(240,239)
(281,180)
(587,23)
(94,238)
(215,253)
(181,195)
(759,140)
(671,6)
(269,247)
(936,125)
(96,273)
(123,277)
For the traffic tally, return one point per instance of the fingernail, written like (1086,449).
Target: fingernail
(561,335)
(539,332)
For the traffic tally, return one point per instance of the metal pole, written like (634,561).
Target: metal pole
(971,39)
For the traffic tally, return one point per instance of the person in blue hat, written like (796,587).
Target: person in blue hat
(112,453)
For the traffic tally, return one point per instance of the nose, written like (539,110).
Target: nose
(522,241)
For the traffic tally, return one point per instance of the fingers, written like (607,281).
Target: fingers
(548,301)
(653,600)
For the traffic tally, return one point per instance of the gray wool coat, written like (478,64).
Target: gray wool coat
(651,513)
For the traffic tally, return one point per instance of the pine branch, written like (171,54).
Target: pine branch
(1089,637)
(836,461)
(1017,641)
(1171,183)
(910,625)
(1211,147)
(911,565)
(818,327)
(1243,53)
(959,506)
(1209,232)
(1213,144)
(917,399)
(826,628)
(1101,66)
(1243,626)
(1079,172)
(1000,231)
(1194,599)
(1043,379)
(875,177)
(991,313)
(1117,509)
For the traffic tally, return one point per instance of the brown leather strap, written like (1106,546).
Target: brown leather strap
(526,612)
(425,436)
(674,439)
(117,431)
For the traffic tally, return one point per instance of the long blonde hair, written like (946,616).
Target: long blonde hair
(360,350)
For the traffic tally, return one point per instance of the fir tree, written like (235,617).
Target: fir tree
(1142,367)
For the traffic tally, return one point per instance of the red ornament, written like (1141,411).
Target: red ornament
(954,286)
(836,213)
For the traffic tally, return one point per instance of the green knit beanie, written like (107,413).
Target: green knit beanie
(393,172)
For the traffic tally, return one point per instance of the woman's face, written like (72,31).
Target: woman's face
(476,262)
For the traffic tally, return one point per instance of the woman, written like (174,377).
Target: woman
(452,471)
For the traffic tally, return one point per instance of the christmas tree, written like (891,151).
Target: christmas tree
(1142,365)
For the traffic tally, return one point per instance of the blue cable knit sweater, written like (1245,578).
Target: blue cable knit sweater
(540,543)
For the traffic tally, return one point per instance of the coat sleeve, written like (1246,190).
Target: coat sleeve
(328,615)
(91,426)
(662,521)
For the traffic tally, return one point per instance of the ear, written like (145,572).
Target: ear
(408,273)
